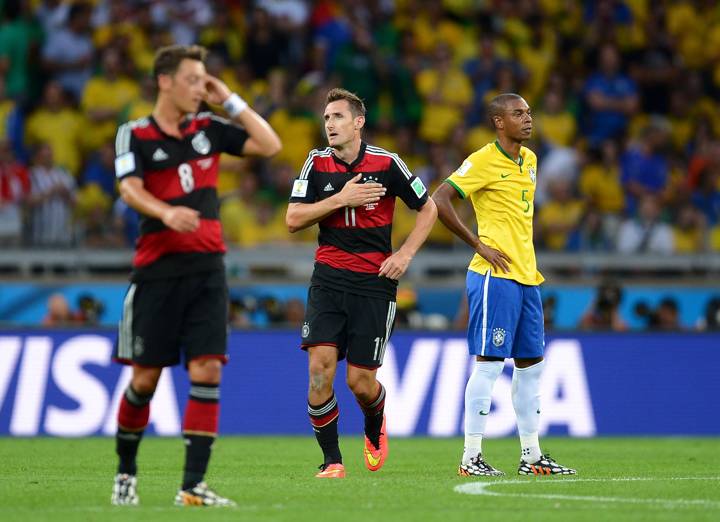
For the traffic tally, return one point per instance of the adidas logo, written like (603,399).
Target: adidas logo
(159,155)
(328,188)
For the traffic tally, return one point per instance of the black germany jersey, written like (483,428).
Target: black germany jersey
(353,242)
(180,172)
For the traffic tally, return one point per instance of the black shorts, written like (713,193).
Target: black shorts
(163,318)
(357,325)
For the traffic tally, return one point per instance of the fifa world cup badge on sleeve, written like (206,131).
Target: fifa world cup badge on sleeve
(124,164)
(418,187)
(299,189)
(462,170)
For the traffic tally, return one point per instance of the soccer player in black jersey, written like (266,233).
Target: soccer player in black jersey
(177,303)
(349,189)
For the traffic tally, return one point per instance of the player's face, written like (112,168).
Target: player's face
(187,88)
(517,120)
(340,126)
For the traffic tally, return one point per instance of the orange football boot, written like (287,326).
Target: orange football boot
(331,471)
(375,457)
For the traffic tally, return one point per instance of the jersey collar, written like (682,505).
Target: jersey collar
(356,162)
(519,161)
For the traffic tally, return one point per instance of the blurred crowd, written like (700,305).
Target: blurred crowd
(624,93)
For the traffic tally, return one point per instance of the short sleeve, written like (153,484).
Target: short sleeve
(127,158)
(303,190)
(468,178)
(233,137)
(405,185)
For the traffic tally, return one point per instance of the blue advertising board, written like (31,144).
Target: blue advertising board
(63,383)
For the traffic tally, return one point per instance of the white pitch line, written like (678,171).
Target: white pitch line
(481,488)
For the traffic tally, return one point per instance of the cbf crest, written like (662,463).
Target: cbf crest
(201,143)
(498,336)
(531,171)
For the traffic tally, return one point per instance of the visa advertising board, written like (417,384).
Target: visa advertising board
(64,383)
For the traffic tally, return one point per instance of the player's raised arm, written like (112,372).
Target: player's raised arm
(443,197)
(262,139)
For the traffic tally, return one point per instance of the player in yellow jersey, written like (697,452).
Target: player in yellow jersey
(506,316)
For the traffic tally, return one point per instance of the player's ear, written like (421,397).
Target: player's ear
(359,122)
(164,81)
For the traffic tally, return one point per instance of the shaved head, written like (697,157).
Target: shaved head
(499,104)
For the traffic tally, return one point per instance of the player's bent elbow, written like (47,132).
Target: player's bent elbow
(272,149)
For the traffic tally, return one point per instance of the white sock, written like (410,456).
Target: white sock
(526,401)
(477,399)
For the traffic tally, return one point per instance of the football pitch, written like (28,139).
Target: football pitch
(271,478)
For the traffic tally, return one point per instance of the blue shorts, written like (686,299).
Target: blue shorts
(506,317)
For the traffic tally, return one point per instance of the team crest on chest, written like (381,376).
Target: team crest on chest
(201,143)
(531,171)
(371,179)
(498,336)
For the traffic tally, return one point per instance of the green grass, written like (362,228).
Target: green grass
(271,478)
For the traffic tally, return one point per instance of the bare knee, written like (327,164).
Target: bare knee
(144,380)
(362,383)
(206,370)
(321,368)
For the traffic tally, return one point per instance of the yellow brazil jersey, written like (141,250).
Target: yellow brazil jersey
(502,193)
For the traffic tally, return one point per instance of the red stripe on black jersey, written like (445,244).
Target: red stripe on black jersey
(206,239)
(365,216)
(148,132)
(167,183)
(366,262)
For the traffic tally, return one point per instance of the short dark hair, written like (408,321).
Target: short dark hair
(167,59)
(357,107)
(498,104)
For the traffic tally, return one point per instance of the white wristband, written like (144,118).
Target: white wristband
(234,105)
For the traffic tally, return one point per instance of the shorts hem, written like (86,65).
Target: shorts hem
(223,358)
(364,366)
(310,345)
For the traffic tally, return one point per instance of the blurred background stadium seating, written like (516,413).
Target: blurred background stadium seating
(627,131)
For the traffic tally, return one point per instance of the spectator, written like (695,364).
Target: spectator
(646,233)
(644,166)
(689,231)
(105,98)
(711,319)
(265,47)
(14,188)
(664,318)
(59,125)
(555,124)
(611,98)
(58,312)
(559,218)
(447,92)
(68,51)
(52,197)
(604,313)
(20,38)
(100,169)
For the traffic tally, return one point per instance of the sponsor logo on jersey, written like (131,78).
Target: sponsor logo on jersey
(159,155)
(531,171)
(328,188)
